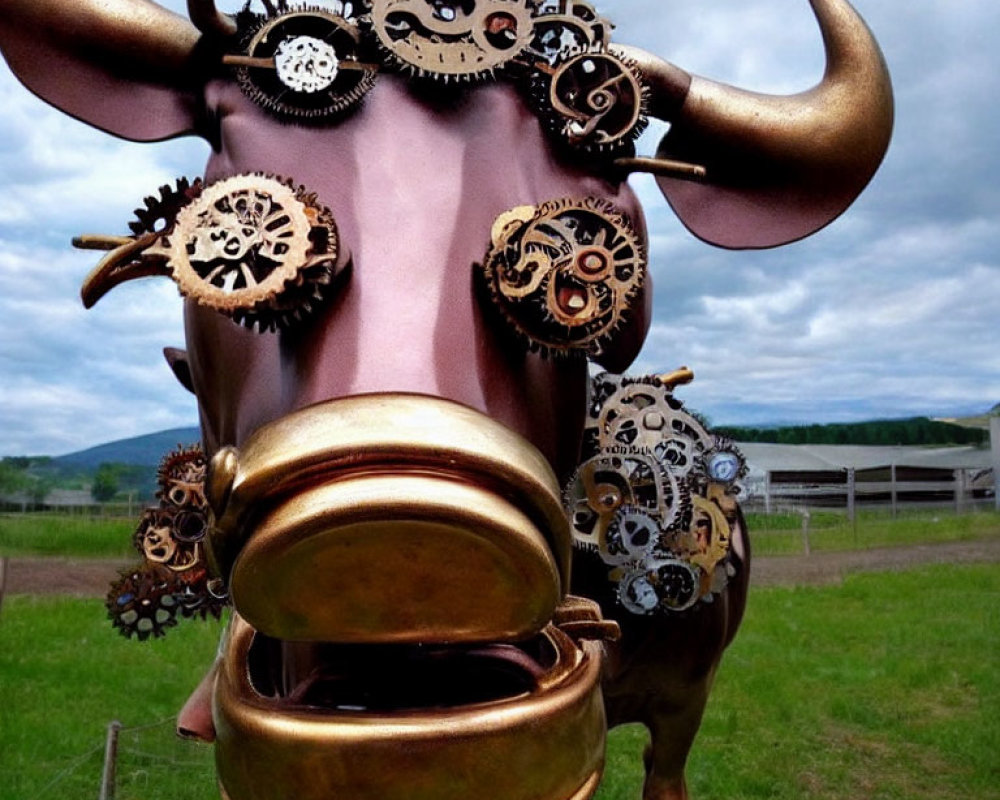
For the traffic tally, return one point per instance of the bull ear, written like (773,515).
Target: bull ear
(777,168)
(129,67)
(177,360)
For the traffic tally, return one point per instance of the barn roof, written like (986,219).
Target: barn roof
(831,457)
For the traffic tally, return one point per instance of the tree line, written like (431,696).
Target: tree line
(912,431)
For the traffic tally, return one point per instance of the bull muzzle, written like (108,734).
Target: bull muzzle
(398,565)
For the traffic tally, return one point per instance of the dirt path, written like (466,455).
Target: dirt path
(90,577)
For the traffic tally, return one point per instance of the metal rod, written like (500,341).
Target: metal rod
(666,167)
(110,761)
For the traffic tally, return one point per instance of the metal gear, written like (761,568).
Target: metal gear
(303,64)
(254,248)
(564,274)
(724,463)
(181,478)
(451,40)
(609,489)
(575,28)
(142,603)
(646,415)
(592,101)
(158,213)
(156,539)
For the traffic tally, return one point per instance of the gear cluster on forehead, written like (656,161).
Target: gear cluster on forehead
(309,64)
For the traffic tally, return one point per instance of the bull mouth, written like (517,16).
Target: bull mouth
(397,565)
(398,722)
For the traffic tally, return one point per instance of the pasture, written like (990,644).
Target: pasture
(886,686)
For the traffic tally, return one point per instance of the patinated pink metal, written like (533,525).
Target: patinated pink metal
(415,182)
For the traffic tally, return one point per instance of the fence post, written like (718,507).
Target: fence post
(995,447)
(805,530)
(959,490)
(767,492)
(892,489)
(850,493)
(110,761)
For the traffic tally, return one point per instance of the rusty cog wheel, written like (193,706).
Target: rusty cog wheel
(560,33)
(451,40)
(142,603)
(181,477)
(564,275)
(255,248)
(593,102)
(307,64)
(195,598)
(159,212)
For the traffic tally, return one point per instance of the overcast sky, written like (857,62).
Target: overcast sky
(891,311)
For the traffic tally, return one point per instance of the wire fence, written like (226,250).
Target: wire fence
(141,762)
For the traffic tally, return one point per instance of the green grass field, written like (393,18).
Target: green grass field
(781,534)
(775,534)
(66,535)
(886,687)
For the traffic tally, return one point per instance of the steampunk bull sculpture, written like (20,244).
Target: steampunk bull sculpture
(390,416)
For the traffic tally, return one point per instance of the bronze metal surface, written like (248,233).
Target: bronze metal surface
(546,744)
(389,517)
(779,168)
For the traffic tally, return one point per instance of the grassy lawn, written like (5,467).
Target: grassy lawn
(66,535)
(887,686)
(775,534)
(781,534)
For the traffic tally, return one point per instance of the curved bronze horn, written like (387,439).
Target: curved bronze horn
(209,20)
(778,168)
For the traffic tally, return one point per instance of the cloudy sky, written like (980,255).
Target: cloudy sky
(889,312)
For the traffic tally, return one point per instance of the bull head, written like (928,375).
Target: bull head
(385,460)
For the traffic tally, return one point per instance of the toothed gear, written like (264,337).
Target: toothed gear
(608,485)
(195,597)
(724,463)
(564,275)
(312,58)
(159,213)
(142,603)
(593,101)
(451,40)
(255,248)
(156,539)
(632,535)
(647,415)
(181,478)
(560,35)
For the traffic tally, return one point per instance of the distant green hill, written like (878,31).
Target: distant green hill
(142,451)
(911,431)
(128,466)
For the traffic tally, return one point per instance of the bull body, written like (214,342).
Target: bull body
(414,185)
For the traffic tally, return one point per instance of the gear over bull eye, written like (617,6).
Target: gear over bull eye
(303,64)
(654,498)
(564,274)
(592,101)
(253,247)
(445,40)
